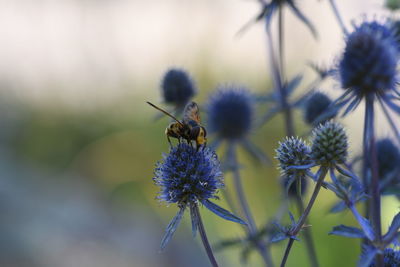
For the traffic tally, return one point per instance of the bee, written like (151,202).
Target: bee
(189,128)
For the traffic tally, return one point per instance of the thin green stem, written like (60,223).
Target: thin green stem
(305,214)
(287,251)
(310,204)
(312,254)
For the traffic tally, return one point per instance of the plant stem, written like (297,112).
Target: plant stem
(338,17)
(252,229)
(287,111)
(305,214)
(375,205)
(312,254)
(307,210)
(281,41)
(287,251)
(204,238)
(365,161)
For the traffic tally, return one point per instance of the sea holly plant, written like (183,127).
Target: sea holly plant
(328,152)
(189,177)
(367,72)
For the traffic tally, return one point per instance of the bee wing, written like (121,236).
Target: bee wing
(191,112)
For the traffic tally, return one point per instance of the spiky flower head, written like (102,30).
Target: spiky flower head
(188,177)
(391,258)
(369,62)
(177,88)
(329,144)
(388,156)
(315,108)
(187,174)
(230,112)
(293,152)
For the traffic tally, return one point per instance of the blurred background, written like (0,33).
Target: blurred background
(78,144)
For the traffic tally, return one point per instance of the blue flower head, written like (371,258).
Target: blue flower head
(177,87)
(369,62)
(316,107)
(388,166)
(294,159)
(388,156)
(231,112)
(329,144)
(187,177)
(391,258)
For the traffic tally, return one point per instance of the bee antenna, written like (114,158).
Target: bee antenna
(163,111)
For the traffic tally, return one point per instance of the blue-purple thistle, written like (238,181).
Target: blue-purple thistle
(316,109)
(231,112)
(187,177)
(368,66)
(231,117)
(391,258)
(388,156)
(177,87)
(293,151)
(329,144)
(368,71)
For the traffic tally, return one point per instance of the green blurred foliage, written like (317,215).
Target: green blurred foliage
(393,4)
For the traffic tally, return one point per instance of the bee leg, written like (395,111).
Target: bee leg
(169,141)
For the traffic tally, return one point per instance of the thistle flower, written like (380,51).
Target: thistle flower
(391,258)
(294,160)
(269,9)
(188,177)
(388,156)
(177,88)
(329,144)
(367,68)
(316,109)
(231,112)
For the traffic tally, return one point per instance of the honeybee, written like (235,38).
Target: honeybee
(189,128)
